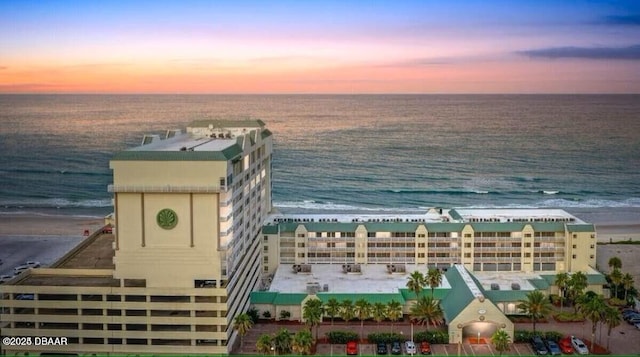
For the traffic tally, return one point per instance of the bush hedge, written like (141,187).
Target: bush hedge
(432,336)
(385,337)
(568,317)
(341,336)
(523,336)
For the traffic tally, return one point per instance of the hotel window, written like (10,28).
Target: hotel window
(592,246)
(575,236)
(527,255)
(421,235)
(467,245)
(527,245)
(467,235)
(265,239)
(420,245)
(300,255)
(371,234)
(573,256)
(467,255)
(331,234)
(266,248)
(300,235)
(591,256)
(300,245)
(420,255)
(527,235)
(575,246)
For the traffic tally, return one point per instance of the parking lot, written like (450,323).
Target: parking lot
(15,250)
(464,349)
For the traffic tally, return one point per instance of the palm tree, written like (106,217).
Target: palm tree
(612,319)
(302,342)
(536,306)
(615,263)
(416,283)
(379,312)
(561,283)
(616,279)
(434,279)
(501,341)
(282,341)
(592,307)
(576,285)
(426,311)
(242,323)
(394,312)
(362,312)
(627,283)
(332,308)
(346,310)
(264,344)
(312,313)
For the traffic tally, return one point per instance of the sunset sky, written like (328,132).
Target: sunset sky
(343,46)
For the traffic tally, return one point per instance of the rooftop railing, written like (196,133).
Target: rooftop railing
(165,188)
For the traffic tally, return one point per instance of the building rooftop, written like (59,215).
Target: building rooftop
(503,215)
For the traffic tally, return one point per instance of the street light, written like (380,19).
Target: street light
(478,340)
(273,349)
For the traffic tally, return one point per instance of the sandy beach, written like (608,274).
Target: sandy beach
(47,225)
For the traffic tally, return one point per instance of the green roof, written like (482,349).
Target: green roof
(577,228)
(289,299)
(371,298)
(596,279)
(140,155)
(438,293)
(270,229)
(506,295)
(459,296)
(547,226)
(444,227)
(223,123)
(455,215)
(540,284)
(263,297)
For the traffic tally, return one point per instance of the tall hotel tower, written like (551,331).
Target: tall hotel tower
(183,259)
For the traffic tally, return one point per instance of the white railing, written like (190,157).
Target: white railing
(165,188)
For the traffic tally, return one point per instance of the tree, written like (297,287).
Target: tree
(394,312)
(346,310)
(592,307)
(379,312)
(561,282)
(312,313)
(434,279)
(536,306)
(242,323)
(302,342)
(416,282)
(615,263)
(576,285)
(501,341)
(332,308)
(616,280)
(627,283)
(362,312)
(282,341)
(612,319)
(426,311)
(264,343)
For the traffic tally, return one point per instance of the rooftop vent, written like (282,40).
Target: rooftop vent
(351,268)
(515,286)
(148,139)
(396,268)
(495,286)
(302,268)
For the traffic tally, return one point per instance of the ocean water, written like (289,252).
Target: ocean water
(343,152)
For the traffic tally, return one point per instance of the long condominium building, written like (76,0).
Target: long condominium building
(184,257)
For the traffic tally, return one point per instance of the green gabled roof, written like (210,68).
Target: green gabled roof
(444,227)
(223,123)
(372,298)
(596,279)
(438,293)
(270,229)
(139,155)
(391,226)
(540,284)
(459,296)
(549,278)
(289,299)
(455,215)
(265,133)
(263,297)
(547,226)
(497,227)
(506,295)
(577,228)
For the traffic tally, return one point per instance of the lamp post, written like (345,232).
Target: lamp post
(273,350)
(478,340)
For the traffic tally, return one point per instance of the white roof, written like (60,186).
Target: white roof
(504,214)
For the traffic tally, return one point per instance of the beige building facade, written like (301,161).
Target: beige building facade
(183,259)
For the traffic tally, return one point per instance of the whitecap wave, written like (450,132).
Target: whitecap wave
(56,203)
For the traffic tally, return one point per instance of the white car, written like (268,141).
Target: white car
(410,347)
(20,268)
(32,264)
(579,346)
(5,278)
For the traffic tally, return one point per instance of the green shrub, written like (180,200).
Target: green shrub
(384,337)
(617,302)
(524,336)
(553,335)
(266,314)
(254,314)
(431,336)
(569,317)
(284,315)
(341,336)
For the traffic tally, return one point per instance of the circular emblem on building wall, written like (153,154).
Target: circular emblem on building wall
(167,218)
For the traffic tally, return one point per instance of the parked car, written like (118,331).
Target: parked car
(32,264)
(352,348)
(579,346)
(396,349)
(381,348)
(553,347)
(5,278)
(425,348)
(25,297)
(538,346)
(20,268)
(634,320)
(410,347)
(565,345)
(637,325)
(630,313)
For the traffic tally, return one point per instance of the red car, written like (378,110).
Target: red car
(425,348)
(352,348)
(565,345)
